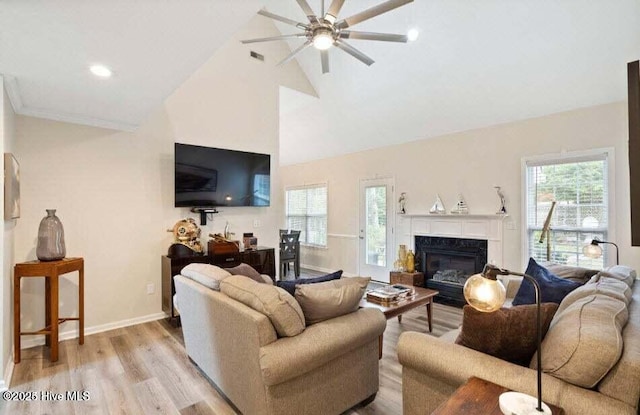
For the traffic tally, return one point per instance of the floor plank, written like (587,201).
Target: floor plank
(144,369)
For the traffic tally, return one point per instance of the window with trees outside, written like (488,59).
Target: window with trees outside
(306,211)
(579,185)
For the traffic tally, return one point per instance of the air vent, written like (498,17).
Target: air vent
(256,55)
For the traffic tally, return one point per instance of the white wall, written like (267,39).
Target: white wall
(469,163)
(113,191)
(7,136)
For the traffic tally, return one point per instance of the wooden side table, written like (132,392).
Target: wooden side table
(50,270)
(407,278)
(478,396)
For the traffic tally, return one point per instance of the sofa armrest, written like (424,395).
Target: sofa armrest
(453,364)
(319,343)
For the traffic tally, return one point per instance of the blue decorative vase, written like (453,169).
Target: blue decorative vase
(50,238)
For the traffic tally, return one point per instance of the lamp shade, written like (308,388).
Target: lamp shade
(484,294)
(592,250)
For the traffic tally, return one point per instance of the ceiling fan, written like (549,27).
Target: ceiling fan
(326,31)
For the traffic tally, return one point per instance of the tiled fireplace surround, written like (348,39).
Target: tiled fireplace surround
(461,242)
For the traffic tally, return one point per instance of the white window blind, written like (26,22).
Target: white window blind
(580,188)
(307,211)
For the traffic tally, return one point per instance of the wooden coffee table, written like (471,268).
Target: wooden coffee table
(423,296)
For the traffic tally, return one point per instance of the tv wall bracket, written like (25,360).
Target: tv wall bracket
(203,213)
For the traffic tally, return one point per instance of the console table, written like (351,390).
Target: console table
(261,258)
(51,271)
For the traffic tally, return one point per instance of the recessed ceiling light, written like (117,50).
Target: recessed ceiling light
(101,71)
(413,34)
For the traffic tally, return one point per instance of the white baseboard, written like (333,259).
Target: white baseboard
(72,334)
(8,372)
(325,270)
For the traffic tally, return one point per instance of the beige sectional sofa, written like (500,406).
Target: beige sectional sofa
(326,369)
(583,378)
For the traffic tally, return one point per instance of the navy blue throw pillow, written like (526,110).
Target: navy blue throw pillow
(290,285)
(552,288)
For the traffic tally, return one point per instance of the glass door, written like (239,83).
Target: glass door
(376,228)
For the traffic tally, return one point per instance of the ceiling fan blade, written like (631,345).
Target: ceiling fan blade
(295,52)
(354,52)
(386,37)
(268,39)
(324,58)
(283,19)
(334,10)
(308,10)
(370,13)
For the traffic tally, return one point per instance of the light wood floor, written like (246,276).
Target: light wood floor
(144,369)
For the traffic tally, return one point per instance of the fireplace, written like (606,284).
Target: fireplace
(448,262)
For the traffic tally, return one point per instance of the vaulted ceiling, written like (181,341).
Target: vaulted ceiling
(475,64)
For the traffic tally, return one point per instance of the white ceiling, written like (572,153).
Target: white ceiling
(46,48)
(476,63)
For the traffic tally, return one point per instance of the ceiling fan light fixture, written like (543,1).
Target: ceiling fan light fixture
(323,39)
(329,18)
(412,35)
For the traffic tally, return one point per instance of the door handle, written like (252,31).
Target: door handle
(361,237)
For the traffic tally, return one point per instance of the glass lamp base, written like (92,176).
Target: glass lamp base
(516,403)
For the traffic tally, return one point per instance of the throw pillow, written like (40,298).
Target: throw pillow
(207,275)
(326,300)
(568,272)
(508,334)
(246,270)
(290,286)
(585,340)
(552,288)
(281,308)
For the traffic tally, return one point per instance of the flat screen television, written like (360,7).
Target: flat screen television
(207,177)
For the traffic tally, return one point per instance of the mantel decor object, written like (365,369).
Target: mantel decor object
(438,207)
(461,207)
(402,201)
(50,245)
(485,293)
(503,209)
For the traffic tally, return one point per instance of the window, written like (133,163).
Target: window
(580,187)
(306,210)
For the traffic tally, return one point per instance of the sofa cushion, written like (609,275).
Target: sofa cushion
(623,273)
(568,272)
(584,340)
(599,285)
(274,302)
(290,285)
(206,274)
(330,299)
(552,288)
(508,334)
(246,270)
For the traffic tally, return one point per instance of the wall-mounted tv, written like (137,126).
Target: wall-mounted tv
(214,177)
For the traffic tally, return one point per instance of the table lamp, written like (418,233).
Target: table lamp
(593,250)
(485,293)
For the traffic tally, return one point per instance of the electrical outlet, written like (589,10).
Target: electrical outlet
(257,223)
(510,224)
(151,288)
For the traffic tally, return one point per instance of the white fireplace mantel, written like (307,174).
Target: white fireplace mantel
(487,227)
